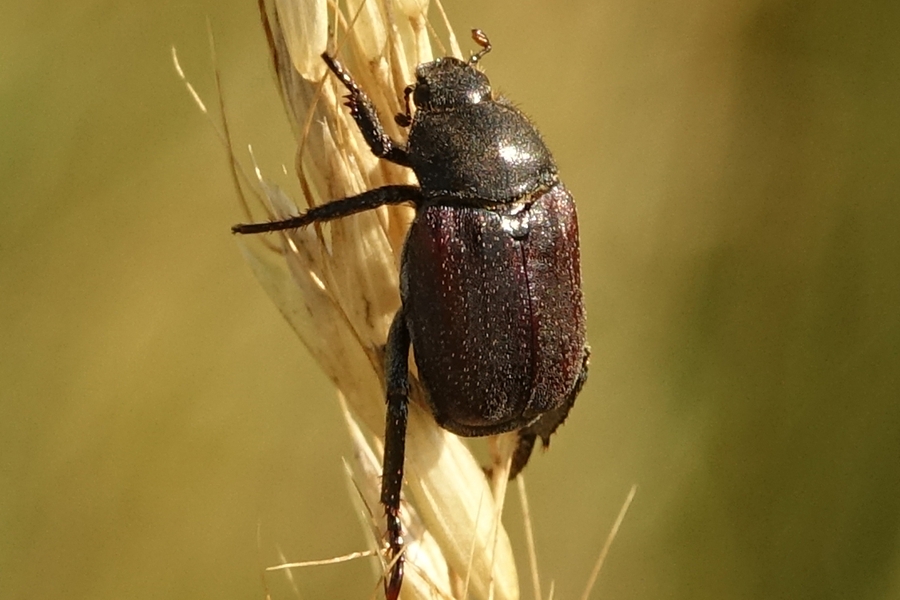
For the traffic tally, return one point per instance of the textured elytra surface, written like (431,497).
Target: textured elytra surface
(494,306)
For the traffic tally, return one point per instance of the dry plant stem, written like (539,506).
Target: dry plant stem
(502,449)
(337,284)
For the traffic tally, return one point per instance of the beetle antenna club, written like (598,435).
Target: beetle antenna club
(482,40)
(491,302)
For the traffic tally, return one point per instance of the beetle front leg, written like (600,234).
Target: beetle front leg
(547,424)
(363,112)
(397,375)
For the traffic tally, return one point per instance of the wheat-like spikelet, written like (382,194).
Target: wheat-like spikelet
(337,285)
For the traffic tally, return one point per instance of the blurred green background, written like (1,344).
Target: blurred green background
(164,435)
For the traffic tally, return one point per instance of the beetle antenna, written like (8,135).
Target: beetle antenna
(482,40)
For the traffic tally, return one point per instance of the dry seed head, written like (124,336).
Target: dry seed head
(337,284)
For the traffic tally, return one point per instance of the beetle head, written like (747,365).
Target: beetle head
(448,82)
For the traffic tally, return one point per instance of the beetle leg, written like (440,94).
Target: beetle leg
(336,209)
(404,119)
(547,424)
(397,375)
(363,112)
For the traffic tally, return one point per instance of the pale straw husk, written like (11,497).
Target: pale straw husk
(337,285)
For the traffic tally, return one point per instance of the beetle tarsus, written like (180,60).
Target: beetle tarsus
(404,119)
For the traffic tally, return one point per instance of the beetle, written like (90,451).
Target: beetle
(490,289)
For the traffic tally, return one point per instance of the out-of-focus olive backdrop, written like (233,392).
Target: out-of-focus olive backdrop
(164,435)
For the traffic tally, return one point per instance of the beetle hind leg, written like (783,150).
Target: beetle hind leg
(397,375)
(547,424)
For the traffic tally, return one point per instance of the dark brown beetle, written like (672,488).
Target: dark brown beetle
(490,275)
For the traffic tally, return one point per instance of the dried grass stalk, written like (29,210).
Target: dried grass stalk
(337,285)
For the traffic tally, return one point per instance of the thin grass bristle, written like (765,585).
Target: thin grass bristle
(613,532)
